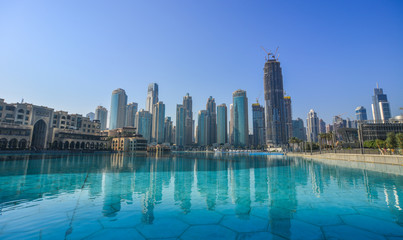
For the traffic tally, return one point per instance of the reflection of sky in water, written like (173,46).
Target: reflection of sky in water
(196,195)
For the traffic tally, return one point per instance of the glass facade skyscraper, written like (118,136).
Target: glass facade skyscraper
(118,109)
(259,130)
(380,106)
(201,128)
(157,133)
(131,111)
(188,131)
(288,117)
(361,113)
(143,124)
(101,114)
(152,97)
(168,125)
(298,129)
(312,126)
(211,121)
(274,100)
(180,125)
(240,125)
(222,126)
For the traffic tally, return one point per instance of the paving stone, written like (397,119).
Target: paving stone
(162,228)
(373,225)
(210,232)
(349,233)
(244,223)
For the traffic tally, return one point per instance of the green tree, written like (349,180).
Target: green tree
(399,139)
(380,143)
(391,141)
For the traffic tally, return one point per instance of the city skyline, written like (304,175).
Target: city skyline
(82,70)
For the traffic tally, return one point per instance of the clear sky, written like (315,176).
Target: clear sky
(71,55)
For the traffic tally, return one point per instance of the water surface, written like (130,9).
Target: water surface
(196,196)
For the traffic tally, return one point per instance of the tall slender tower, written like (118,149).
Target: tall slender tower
(131,111)
(222,127)
(101,114)
(380,106)
(211,121)
(152,97)
(240,124)
(201,128)
(288,117)
(312,126)
(361,113)
(168,125)
(180,125)
(274,101)
(259,131)
(143,124)
(157,132)
(187,104)
(118,109)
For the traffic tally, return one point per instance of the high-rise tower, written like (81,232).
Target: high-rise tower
(259,130)
(131,111)
(312,126)
(274,101)
(222,125)
(157,132)
(361,113)
(380,106)
(118,109)
(188,131)
(211,121)
(152,97)
(101,114)
(143,124)
(240,125)
(180,125)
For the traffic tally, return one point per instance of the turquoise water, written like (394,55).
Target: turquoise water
(197,196)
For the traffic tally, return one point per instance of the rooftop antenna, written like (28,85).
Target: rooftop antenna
(377,85)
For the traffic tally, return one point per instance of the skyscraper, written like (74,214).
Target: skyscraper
(231,123)
(274,99)
(187,104)
(157,130)
(380,106)
(322,126)
(143,124)
(168,125)
(101,114)
(298,129)
(211,121)
(91,116)
(361,113)
(118,109)
(152,97)
(312,126)
(222,128)
(240,125)
(131,110)
(259,130)
(180,125)
(288,117)
(201,128)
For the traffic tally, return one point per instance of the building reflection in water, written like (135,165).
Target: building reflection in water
(276,183)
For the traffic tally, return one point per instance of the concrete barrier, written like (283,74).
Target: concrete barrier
(367,158)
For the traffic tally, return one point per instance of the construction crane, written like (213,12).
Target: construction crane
(269,53)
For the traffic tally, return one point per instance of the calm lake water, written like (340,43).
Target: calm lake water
(196,196)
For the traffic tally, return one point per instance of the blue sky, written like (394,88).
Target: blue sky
(71,55)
